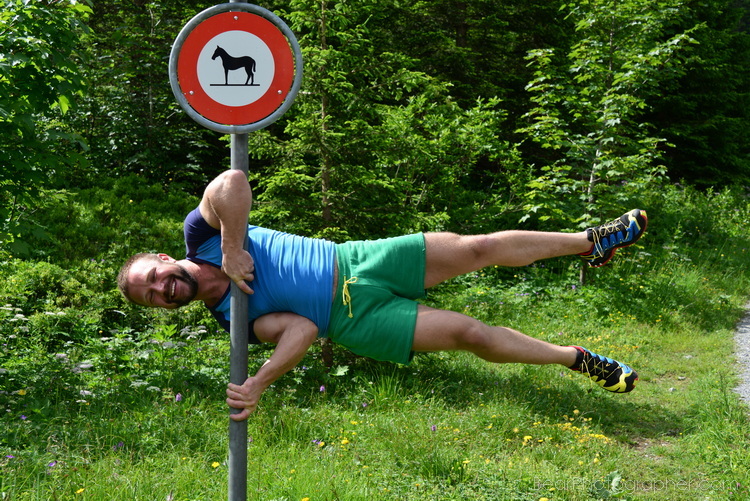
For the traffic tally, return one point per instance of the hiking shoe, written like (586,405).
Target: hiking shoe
(607,238)
(609,374)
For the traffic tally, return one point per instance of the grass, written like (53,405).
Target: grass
(139,414)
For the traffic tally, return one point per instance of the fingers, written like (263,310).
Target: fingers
(244,287)
(241,416)
(238,398)
(240,268)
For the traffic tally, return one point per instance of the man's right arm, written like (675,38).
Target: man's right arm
(293,334)
(226,206)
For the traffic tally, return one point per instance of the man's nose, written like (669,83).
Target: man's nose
(159,287)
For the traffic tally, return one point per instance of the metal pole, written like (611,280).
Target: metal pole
(238,351)
(238,333)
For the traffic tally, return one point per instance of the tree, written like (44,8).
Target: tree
(39,82)
(589,105)
(705,114)
(129,116)
(371,146)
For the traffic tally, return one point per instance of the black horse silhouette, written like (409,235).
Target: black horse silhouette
(235,63)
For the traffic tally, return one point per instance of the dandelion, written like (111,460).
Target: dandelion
(215,464)
(345,441)
(80,491)
(21,392)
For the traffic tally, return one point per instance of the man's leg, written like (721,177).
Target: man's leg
(449,255)
(441,330)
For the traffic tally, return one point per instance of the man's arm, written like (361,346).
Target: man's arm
(226,206)
(293,335)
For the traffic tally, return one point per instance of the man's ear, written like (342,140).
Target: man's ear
(166,258)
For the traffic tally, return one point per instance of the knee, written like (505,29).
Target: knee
(475,338)
(481,248)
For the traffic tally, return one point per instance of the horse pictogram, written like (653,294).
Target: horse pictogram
(235,63)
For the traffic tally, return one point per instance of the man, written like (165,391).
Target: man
(359,294)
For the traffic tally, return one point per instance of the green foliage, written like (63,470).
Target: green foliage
(371,147)
(588,105)
(129,116)
(705,112)
(118,218)
(138,411)
(67,291)
(41,80)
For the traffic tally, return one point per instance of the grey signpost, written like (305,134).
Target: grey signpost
(236,68)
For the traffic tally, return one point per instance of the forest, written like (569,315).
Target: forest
(462,115)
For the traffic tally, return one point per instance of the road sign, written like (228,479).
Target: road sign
(235,68)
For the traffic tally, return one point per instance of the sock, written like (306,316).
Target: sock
(579,359)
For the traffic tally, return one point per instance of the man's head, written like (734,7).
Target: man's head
(156,280)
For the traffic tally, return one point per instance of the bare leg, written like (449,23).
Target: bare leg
(449,255)
(441,330)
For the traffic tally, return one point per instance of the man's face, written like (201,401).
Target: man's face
(161,282)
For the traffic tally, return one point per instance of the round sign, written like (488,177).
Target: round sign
(235,68)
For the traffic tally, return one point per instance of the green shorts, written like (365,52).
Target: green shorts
(374,312)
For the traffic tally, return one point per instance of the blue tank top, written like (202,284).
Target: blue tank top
(292,273)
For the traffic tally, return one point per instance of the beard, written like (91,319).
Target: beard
(191,284)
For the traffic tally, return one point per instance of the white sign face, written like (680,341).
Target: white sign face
(235,68)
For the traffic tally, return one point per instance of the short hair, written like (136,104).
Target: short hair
(122,277)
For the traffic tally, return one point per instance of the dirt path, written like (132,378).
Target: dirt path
(742,342)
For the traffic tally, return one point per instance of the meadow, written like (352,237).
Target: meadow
(101,401)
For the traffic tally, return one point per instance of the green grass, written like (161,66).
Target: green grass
(98,416)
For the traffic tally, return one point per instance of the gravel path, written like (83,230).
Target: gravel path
(742,341)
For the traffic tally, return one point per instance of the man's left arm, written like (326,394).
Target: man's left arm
(293,335)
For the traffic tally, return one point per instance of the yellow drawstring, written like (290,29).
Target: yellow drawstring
(345,293)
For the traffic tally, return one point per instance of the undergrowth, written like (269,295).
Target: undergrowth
(101,400)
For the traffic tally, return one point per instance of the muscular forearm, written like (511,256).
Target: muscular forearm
(228,199)
(225,206)
(292,344)
(288,353)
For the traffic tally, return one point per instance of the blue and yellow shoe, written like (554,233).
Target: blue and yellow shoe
(609,374)
(607,238)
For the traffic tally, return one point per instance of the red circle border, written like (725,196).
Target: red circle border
(187,68)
